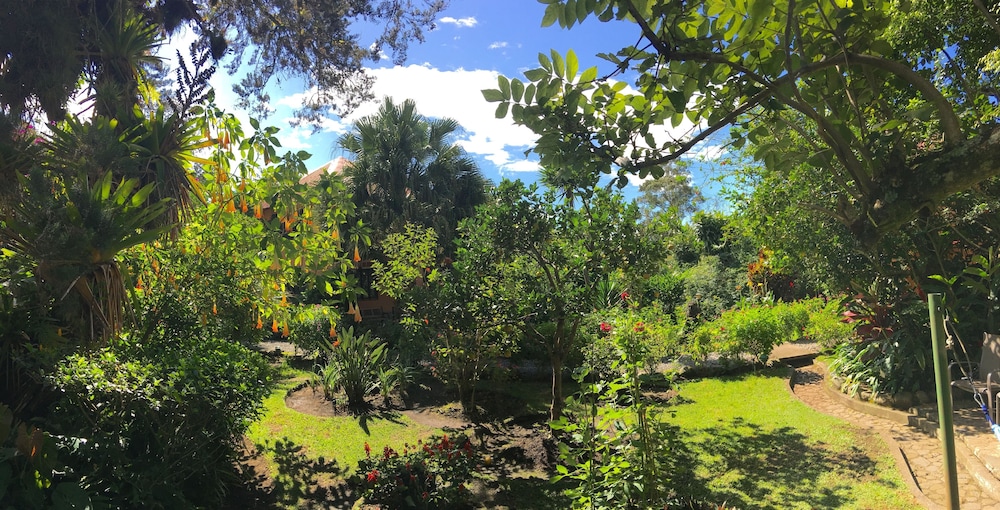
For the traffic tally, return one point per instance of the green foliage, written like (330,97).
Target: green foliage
(713,286)
(409,257)
(407,169)
(550,254)
(159,423)
(601,344)
(617,450)
(826,323)
(433,474)
(353,364)
(889,352)
(874,111)
(32,474)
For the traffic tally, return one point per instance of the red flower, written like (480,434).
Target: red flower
(639,327)
(605,327)
(424,495)
(373,476)
(624,295)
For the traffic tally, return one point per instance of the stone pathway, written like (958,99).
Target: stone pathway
(921,454)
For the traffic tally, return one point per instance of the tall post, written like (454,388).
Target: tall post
(945,415)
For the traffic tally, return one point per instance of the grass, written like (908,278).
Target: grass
(757,447)
(304,451)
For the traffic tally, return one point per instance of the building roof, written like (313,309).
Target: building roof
(334,166)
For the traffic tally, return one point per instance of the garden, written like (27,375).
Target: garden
(190,318)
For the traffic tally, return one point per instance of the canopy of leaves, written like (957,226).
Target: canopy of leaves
(46,45)
(896,121)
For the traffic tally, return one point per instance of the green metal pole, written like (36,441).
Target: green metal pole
(945,415)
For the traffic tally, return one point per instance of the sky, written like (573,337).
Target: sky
(473,42)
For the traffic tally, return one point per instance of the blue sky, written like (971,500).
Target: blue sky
(474,41)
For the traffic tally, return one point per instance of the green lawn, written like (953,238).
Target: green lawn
(303,451)
(758,447)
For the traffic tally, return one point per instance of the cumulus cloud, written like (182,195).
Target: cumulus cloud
(468,22)
(498,44)
(439,93)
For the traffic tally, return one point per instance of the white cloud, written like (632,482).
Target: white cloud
(497,45)
(459,22)
(437,93)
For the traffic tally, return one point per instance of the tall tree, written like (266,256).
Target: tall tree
(407,169)
(895,99)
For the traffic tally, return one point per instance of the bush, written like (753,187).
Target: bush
(431,475)
(660,339)
(751,331)
(888,353)
(158,424)
(826,323)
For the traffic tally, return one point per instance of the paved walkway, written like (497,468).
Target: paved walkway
(918,455)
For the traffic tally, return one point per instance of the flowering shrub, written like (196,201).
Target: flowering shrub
(654,336)
(431,474)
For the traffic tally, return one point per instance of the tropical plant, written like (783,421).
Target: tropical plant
(353,364)
(887,354)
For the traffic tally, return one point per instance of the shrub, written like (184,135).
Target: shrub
(601,354)
(886,354)
(826,323)
(619,453)
(434,474)
(159,423)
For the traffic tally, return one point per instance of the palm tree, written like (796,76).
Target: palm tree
(406,169)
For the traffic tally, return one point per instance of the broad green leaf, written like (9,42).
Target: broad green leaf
(558,64)
(502,109)
(494,95)
(535,74)
(504,86)
(572,65)
(551,14)
(589,75)
(517,90)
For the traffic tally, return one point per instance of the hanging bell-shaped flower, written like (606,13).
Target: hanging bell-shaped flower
(357,256)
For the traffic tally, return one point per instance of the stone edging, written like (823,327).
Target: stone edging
(891,414)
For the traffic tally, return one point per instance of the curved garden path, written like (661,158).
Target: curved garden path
(918,455)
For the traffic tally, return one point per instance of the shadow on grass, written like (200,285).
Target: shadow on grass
(773,469)
(391,416)
(301,482)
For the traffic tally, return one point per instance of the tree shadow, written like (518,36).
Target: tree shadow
(300,482)
(773,469)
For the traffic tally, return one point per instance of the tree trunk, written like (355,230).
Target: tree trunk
(556,408)
(556,358)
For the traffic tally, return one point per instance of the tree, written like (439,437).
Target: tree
(672,190)
(894,100)
(406,169)
(558,251)
(48,44)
